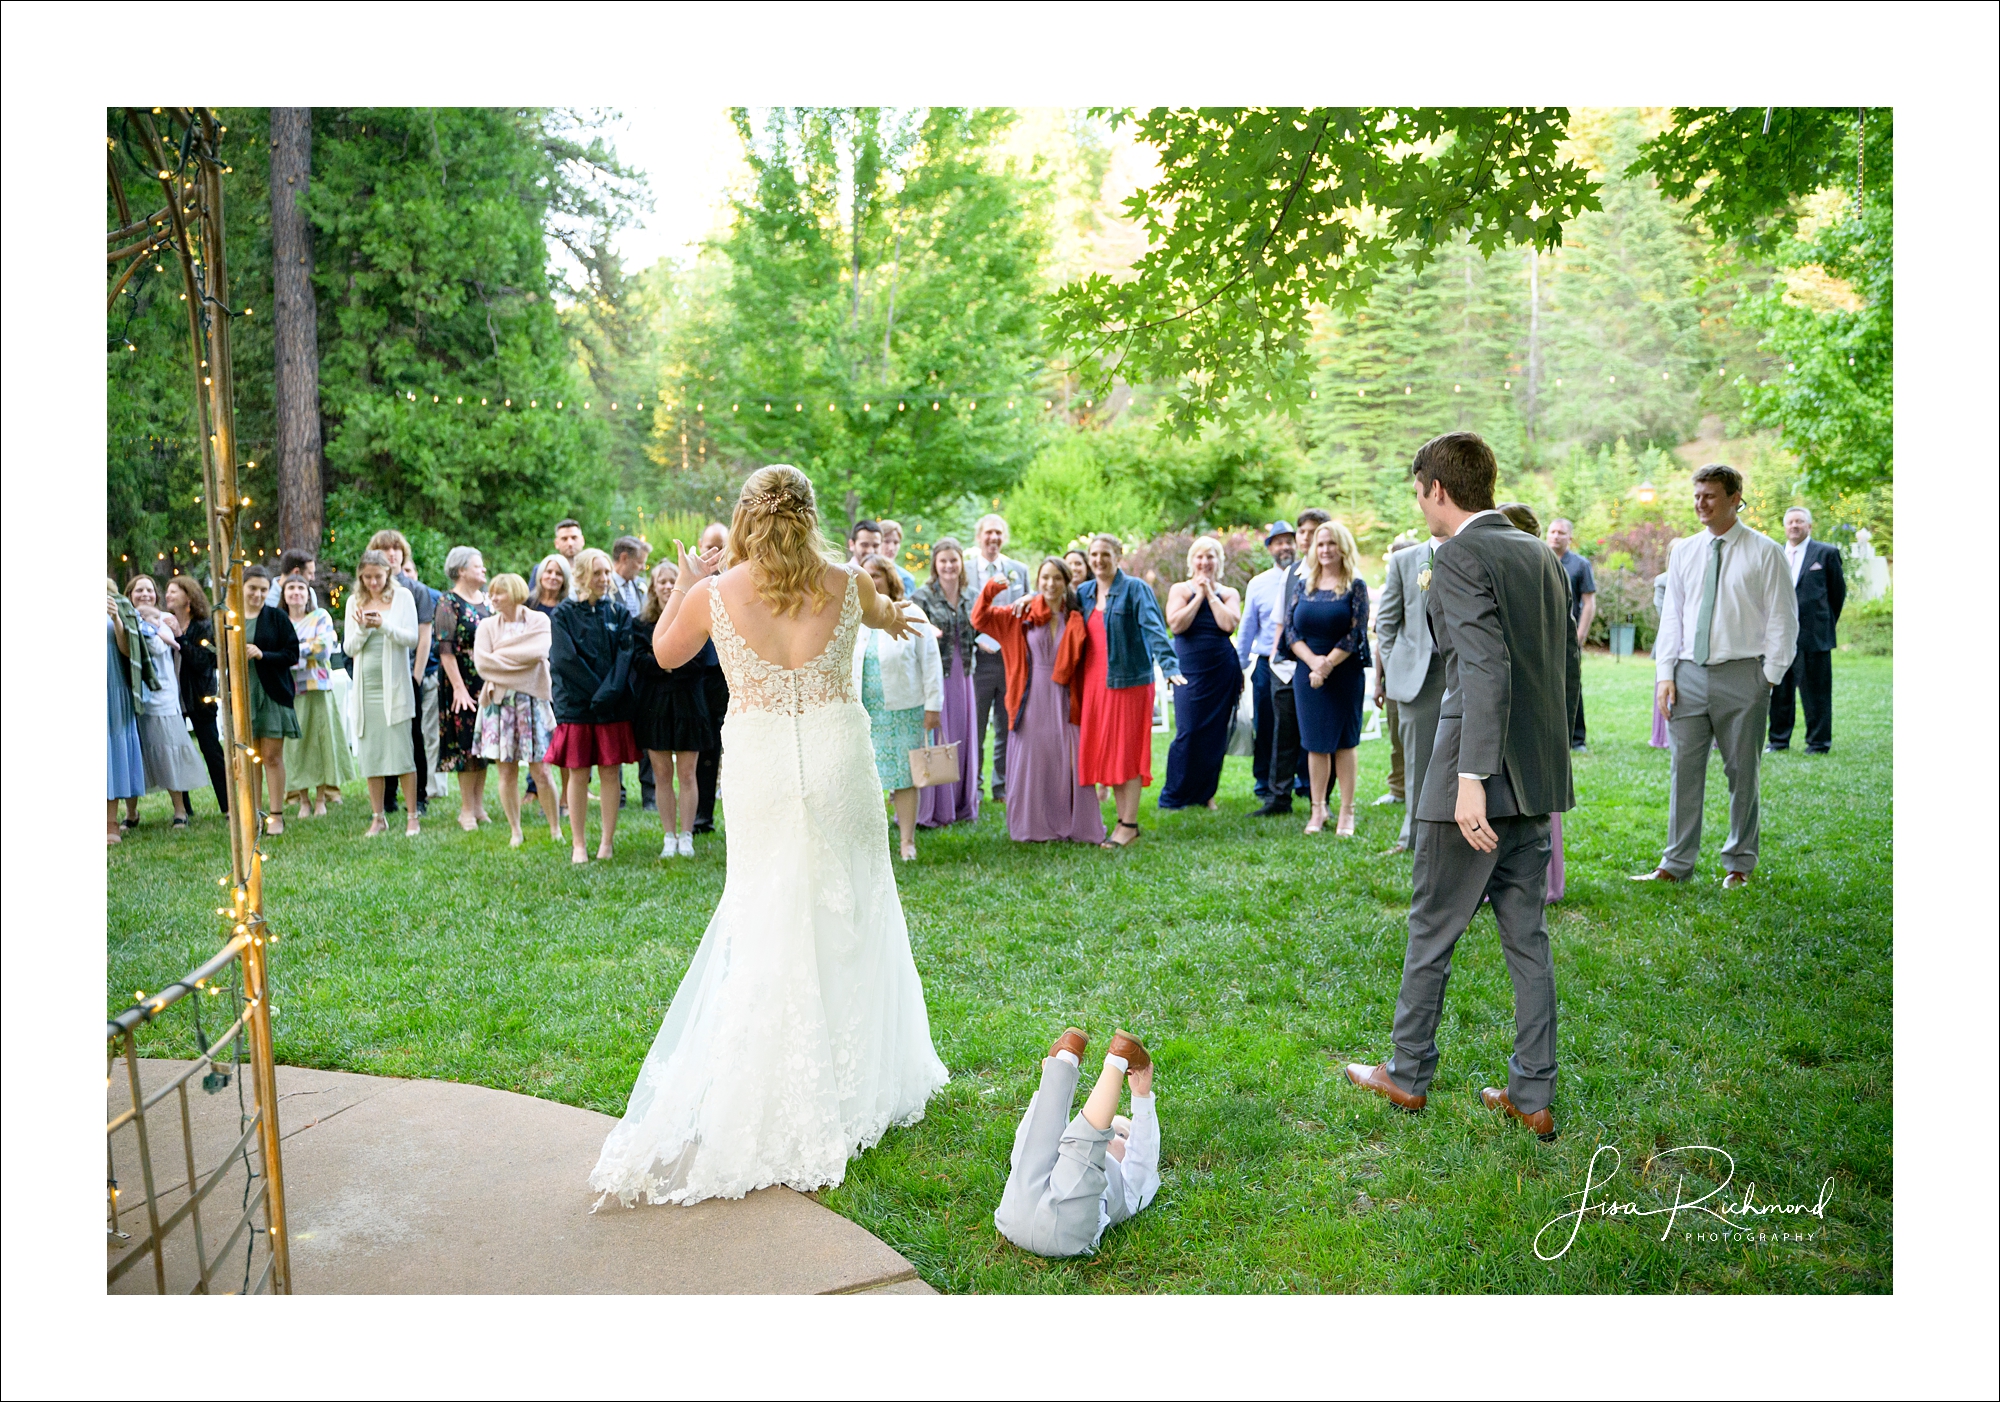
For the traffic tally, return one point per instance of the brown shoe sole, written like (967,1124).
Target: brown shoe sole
(1072,1041)
(1132,1049)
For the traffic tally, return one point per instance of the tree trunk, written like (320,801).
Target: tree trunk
(1534,350)
(295,318)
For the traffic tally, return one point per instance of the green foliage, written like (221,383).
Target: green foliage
(434,296)
(1833,332)
(1435,349)
(890,349)
(617,328)
(1869,627)
(1080,484)
(1136,483)
(1263,212)
(152,450)
(1624,352)
(433,291)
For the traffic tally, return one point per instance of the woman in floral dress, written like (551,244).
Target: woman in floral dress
(510,649)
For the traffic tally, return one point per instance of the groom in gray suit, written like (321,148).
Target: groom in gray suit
(1412,669)
(1498,609)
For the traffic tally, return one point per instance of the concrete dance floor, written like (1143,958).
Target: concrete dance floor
(429,1187)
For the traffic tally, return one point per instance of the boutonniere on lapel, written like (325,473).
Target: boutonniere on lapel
(1424,577)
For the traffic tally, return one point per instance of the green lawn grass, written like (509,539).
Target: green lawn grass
(1254,960)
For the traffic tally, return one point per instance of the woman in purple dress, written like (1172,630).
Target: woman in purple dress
(949,609)
(1042,638)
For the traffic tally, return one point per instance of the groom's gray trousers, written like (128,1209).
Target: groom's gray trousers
(1451,881)
(1060,1171)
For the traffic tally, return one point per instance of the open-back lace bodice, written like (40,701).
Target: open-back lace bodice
(757,685)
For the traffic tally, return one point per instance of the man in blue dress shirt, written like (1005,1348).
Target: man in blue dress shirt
(1263,597)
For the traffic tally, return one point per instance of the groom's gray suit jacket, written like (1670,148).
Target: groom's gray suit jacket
(1498,609)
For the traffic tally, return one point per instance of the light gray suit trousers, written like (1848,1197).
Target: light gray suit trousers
(1055,1202)
(1727,704)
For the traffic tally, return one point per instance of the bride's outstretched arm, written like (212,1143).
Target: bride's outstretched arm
(897,620)
(683,625)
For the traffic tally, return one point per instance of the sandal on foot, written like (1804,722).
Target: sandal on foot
(1113,842)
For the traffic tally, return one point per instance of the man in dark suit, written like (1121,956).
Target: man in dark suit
(1288,775)
(1822,589)
(1498,609)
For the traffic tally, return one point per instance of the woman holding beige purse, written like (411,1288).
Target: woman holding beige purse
(902,688)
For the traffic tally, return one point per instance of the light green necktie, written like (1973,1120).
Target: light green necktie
(1705,619)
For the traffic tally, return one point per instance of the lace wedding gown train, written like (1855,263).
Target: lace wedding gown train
(798,1035)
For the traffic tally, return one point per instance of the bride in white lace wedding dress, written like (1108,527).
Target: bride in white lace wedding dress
(798,1035)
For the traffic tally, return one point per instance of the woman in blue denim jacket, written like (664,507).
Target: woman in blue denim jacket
(1127,636)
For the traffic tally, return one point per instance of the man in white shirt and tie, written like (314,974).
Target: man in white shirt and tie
(1728,629)
(989,670)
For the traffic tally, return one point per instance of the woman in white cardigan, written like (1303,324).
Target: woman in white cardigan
(510,652)
(901,683)
(381,630)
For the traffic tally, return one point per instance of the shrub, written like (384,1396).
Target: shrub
(1162,561)
(1625,595)
(1869,628)
(1077,484)
(1644,546)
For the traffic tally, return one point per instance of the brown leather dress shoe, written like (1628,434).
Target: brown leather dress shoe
(1376,1079)
(1541,1122)
(1072,1041)
(1124,1044)
(1735,880)
(1659,874)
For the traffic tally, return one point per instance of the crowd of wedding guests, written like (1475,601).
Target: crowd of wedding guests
(1055,663)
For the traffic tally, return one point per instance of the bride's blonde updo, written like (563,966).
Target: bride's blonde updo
(776,529)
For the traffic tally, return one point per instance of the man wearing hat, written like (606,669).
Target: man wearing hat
(1257,638)
(1286,775)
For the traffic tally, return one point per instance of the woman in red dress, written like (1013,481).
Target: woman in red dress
(1126,637)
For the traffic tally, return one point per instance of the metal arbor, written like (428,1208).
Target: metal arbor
(181,149)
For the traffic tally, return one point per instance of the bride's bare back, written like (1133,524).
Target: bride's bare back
(788,641)
(782,640)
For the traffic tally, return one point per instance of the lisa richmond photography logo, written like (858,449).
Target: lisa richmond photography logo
(1710,1215)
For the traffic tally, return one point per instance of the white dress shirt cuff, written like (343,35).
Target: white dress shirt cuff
(1476,778)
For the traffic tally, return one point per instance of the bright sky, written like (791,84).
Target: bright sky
(690,155)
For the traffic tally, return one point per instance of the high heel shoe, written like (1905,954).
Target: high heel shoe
(1345,827)
(1317,822)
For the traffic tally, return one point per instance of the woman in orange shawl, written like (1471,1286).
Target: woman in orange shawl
(1042,639)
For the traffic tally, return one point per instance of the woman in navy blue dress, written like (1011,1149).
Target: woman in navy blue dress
(1328,634)
(1202,612)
